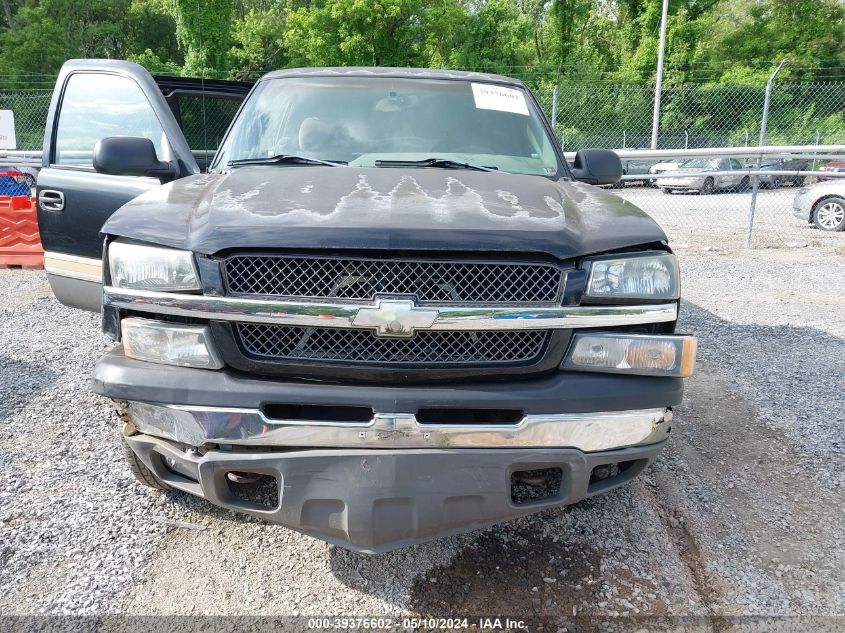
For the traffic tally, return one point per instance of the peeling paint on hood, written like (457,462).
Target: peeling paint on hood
(382,208)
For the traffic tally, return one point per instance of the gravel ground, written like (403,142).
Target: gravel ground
(721,219)
(741,515)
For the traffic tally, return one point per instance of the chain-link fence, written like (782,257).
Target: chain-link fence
(715,209)
(30,107)
(620,116)
(593,114)
(617,116)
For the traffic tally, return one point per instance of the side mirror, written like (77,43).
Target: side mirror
(597,167)
(131,156)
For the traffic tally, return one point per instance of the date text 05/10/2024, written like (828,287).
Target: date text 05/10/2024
(417,624)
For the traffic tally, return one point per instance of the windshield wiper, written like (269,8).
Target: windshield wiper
(286,159)
(445,163)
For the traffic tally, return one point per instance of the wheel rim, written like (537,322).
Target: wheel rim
(830,215)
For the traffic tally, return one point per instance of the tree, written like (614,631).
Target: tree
(203,30)
(495,36)
(48,32)
(367,32)
(259,41)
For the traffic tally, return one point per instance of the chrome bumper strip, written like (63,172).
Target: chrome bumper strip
(312,314)
(588,432)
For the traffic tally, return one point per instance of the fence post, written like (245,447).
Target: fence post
(764,121)
(658,84)
(554,103)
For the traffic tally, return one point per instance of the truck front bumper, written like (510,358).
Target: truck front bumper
(392,480)
(373,501)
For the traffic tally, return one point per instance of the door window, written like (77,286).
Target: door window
(96,106)
(735,164)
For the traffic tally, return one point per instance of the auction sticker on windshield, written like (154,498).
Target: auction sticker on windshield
(489,97)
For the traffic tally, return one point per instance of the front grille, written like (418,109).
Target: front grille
(428,348)
(363,279)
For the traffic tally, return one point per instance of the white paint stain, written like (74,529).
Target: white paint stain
(225,197)
(553,204)
(408,204)
(510,198)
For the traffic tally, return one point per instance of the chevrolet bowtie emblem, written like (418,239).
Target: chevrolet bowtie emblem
(395,318)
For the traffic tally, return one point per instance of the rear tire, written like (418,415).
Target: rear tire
(829,214)
(707,187)
(143,474)
(666,191)
(744,185)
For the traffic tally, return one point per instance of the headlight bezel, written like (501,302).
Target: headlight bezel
(593,266)
(122,255)
(685,349)
(132,329)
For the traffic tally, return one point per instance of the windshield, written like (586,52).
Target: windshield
(361,120)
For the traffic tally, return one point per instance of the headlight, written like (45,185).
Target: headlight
(169,343)
(661,355)
(152,267)
(635,277)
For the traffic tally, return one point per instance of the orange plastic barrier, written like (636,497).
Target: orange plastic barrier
(20,243)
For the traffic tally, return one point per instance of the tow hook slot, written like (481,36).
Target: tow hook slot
(539,484)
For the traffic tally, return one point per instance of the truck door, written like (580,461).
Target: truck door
(95,99)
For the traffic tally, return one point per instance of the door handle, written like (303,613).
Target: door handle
(51,200)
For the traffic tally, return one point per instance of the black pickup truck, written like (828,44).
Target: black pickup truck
(384,310)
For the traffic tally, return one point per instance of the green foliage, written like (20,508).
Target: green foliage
(154,64)
(259,41)
(47,33)
(496,35)
(728,48)
(151,27)
(727,41)
(366,32)
(203,30)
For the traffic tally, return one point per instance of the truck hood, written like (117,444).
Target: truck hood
(274,207)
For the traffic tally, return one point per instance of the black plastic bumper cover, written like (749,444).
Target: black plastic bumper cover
(121,378)
(377,500)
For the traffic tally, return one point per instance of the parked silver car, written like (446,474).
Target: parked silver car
(822,204)
(664,166)
(705,183)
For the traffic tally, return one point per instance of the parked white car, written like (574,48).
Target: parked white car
(664,166)
(822,204)
(705,183)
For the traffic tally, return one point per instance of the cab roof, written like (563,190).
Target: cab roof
(403,73)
